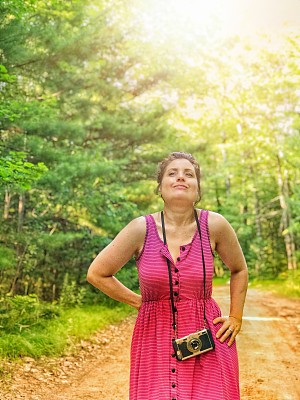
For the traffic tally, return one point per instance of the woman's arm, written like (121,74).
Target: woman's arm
(111,259)
(229,249)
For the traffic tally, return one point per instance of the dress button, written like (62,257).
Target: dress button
(175,293)
(173,385)
(176,269)
(173,398)
(178,258)
(176,282)
(182,248)
(173,370)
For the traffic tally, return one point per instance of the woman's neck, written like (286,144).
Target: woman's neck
(178,216)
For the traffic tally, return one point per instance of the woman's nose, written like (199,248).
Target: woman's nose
(180,176)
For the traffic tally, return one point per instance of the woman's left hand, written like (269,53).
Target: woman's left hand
(230,328)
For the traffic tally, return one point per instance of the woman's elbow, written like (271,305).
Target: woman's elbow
(90,276)
(93,275)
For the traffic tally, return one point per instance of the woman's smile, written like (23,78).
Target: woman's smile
(180,186)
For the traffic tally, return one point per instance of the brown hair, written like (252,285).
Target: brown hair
(161,168)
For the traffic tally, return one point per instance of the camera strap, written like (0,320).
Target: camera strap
(174,309)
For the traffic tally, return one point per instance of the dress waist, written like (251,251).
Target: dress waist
(181,300)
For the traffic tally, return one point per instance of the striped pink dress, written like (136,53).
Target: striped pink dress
(155,373)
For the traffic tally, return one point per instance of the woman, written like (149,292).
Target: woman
(155,372)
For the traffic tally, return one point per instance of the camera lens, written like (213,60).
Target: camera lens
(195,344)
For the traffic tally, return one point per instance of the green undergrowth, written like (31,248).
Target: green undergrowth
(59,335)
(286,284)
(221,281)
(281,287)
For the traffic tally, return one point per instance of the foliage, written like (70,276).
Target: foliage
(60,335)
(287,284)
(16,171)
(71,295)
(22,312)
(89,104)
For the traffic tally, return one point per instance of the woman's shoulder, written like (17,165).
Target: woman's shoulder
(135,232)
(218,224)
(145,223)
(138,225)
(138,231)
(214,219)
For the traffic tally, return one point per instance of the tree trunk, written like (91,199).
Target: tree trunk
(286,217)
(21,255)
(257,215)
(219,205)
(21,211)
(53,292)
(245,212)
(7,200)
(257,222)
(224,155)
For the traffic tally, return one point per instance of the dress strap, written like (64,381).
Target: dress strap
(203,218)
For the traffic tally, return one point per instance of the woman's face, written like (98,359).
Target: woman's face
(179,182)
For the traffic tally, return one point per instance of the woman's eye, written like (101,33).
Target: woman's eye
(171,173)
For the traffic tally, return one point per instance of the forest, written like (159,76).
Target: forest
(92,96)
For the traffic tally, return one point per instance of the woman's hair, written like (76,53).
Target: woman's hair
(161,167)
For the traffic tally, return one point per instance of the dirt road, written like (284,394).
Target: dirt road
(268,352)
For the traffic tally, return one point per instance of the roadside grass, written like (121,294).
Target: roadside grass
(287,284)
(221,281)
(281,287)
(60,335)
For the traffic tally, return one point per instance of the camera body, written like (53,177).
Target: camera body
(193,344)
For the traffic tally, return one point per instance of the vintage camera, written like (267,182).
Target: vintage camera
(193,344)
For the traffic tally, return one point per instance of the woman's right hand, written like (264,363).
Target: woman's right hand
(139,302)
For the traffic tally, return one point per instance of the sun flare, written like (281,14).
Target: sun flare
(216,18)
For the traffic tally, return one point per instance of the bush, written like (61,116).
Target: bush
(71,295)
(21,312)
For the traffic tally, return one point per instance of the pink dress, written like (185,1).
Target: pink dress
(155,373)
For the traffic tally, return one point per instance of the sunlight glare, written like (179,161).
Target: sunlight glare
(215,19)
(181,16)
(197,11)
